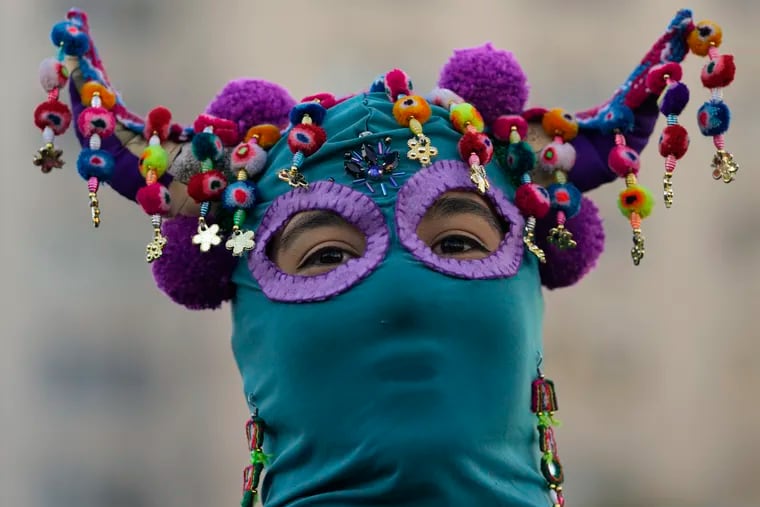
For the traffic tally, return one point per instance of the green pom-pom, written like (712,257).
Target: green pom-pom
(520,157)
(154,158)
(636,199)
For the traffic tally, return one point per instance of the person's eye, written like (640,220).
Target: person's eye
(324,259)
(459,245)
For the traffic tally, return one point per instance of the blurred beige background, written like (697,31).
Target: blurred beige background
(111,395)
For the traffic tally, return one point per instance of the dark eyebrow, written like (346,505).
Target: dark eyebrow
(308,221)
(450,205)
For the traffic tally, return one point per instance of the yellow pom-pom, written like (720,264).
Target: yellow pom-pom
(411,106)
(267,135)
(464,114)
(705,35)
(154,158)
(636,199)
(559,122)
(90,88)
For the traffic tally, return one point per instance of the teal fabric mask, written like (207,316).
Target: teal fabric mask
(408,386)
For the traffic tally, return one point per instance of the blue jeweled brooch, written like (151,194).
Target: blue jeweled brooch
(372,164)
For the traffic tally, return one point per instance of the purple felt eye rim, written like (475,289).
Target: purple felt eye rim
(356,208)
(426,187)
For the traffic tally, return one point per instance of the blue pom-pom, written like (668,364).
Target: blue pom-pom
(675,100)
(97,163)
(207,146)
(240,194)
(520,158)
(713,118)
(69,36)
(315,110)
(378,85)
(565,197)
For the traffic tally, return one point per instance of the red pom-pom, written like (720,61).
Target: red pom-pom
(326,100)
(306,138)
(719,73)
(208,186)
(397,83)
(623,160)
(502,127)
(674,141)
(532,200)
(478,143)
(226,130)
(656,77)
(53,114)
(96,120)
(155,199)
(158,122)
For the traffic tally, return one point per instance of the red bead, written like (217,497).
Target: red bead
(532,200)
(656,77)
(306,138)
(397,83)
(478,143)
(226,130)
(326,100)
(158,122)
(154,199)
(674,141)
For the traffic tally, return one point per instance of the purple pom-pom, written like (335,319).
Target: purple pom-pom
(675,100)
(194,279)
(564,268)
(250,102)
(490,79)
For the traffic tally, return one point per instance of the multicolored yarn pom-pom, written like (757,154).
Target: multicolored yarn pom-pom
(410,111)
(305,138)
(208,185)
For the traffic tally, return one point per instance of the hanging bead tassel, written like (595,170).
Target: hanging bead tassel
(674,141)
(96,123)
(208,185)
(558,158)
(635,201)
(410,111)
(305,138)
(714,116)
(544,405)
(248,159)
(154,197)
(475,148)
(254,430)
(531,199)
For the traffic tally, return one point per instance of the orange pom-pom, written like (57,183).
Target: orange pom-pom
(559,122)
(90,88)
(411,106)
(266,134)
(705,35)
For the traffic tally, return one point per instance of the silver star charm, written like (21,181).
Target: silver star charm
(208,236)
(239,242)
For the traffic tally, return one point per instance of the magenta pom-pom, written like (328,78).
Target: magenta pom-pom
(194,279)
(251,102)
(96,120)
(225,129)
(532,200)
(623,160)
(502,127)
(53,114)
(719,72)
(477,143)
(207,186)
(53,74)
(306,138)
(489,79)
(656,80)
(564,268)
(155,199)
(557,156)
(674,141)
(158,122)
(397,83)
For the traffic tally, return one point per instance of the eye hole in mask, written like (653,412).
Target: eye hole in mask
(318,242)
(451,228)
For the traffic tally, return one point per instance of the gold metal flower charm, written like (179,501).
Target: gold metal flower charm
(478,177)
(48,158)
(724,166)
(293,177)
(421,149)
(561,238)
(155,248)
